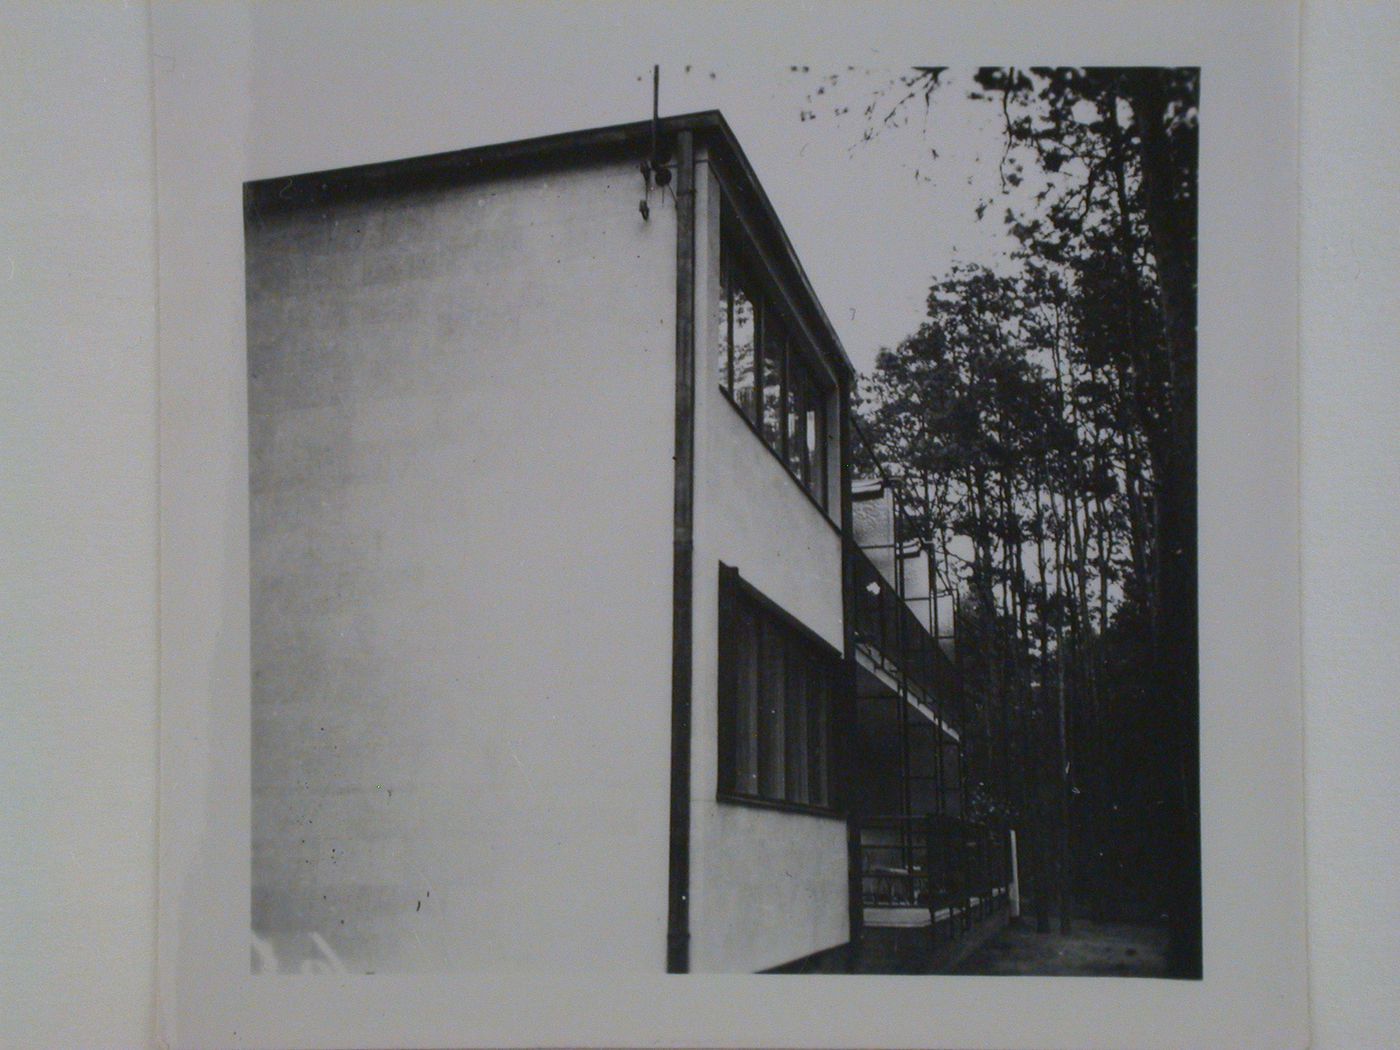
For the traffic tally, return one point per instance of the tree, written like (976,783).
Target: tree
(1050,414)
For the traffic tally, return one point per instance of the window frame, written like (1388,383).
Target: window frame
(737,598)
(739,255)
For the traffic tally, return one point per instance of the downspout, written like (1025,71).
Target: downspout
(682,575)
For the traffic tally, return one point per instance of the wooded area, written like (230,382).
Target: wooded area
(1042,424)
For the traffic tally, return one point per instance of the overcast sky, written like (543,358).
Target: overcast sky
(338,86)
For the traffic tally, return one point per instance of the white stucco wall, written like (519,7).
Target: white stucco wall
(767,886)
(460,409)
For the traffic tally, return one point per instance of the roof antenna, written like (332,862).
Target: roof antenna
(655,165)
(658,165)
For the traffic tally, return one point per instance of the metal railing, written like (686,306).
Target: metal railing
(886,624)
(954,868)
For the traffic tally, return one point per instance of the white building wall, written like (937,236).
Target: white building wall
(461,416)
(767,886)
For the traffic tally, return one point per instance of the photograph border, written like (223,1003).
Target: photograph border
(210,125)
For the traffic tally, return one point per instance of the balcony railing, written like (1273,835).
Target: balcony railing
(886,625)
(931,861)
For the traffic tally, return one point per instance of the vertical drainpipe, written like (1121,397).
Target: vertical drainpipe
(682,576)
(849,722)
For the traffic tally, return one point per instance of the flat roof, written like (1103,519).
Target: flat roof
(442,169)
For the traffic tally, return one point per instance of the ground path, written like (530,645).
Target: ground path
(1093,949)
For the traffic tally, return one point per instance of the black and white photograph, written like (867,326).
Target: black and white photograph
(858,627)
(777,514)
(667,523)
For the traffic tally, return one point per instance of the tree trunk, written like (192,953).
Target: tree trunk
(1170,210)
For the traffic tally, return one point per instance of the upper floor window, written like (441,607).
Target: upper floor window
(766,370)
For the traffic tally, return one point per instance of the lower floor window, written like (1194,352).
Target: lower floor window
(777,691)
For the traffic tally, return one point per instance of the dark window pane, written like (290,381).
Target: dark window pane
(774,352)
(746,691)
(796,724)
(772,751)
(819,714)
(744,326)
(924,741)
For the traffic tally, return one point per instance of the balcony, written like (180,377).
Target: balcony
(897,642)
(931,869)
